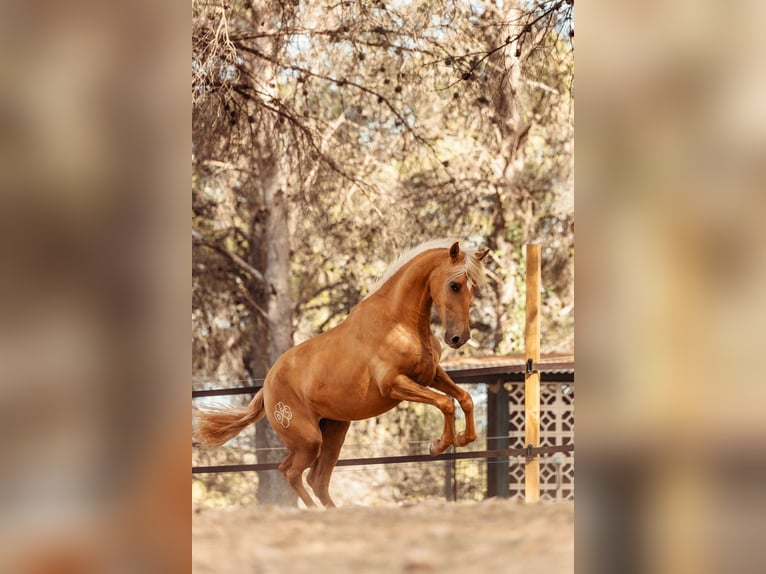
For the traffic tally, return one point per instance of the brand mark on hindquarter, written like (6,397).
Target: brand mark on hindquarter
(283,414)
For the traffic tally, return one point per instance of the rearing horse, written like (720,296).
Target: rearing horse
(383,353)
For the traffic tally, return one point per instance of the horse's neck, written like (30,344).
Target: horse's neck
(408,297)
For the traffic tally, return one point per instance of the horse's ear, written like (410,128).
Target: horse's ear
(454,251)
(482,254)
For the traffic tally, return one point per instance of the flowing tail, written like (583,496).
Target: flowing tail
(214,427)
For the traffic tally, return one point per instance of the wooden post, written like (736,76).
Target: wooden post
(532,380)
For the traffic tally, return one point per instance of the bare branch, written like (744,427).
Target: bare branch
(236,259)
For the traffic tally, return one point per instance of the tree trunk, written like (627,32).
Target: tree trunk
(275,239)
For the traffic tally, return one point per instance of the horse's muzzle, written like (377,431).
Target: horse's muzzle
(457,341)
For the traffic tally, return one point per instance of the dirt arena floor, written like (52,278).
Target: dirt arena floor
(497,536)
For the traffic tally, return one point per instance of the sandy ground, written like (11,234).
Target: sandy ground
(495,535)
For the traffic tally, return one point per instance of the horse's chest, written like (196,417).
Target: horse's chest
(423,372)
(406,353)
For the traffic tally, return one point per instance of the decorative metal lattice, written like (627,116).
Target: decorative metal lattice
(556,428)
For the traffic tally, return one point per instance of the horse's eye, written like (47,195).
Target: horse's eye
(454,286)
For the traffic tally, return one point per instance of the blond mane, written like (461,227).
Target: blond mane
(471,266)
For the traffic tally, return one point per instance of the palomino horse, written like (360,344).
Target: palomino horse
(383,353)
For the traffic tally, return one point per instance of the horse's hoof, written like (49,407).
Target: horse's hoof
(431,448)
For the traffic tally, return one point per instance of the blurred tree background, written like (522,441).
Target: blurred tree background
(330,136)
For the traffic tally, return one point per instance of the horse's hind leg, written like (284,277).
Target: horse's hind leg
(304,452)
(284,465)
(304,449)
(294,472)
(333,435)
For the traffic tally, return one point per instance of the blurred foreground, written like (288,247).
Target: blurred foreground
(94,295)
(490,536)
(671,269)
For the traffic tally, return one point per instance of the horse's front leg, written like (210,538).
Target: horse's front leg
(445,384)
(402,388)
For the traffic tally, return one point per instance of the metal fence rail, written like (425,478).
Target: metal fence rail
(502,453)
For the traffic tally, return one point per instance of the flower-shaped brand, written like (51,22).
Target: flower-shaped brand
(283,414)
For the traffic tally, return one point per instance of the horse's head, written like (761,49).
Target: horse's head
(452,285)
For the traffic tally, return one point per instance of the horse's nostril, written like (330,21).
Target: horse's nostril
(455,340)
